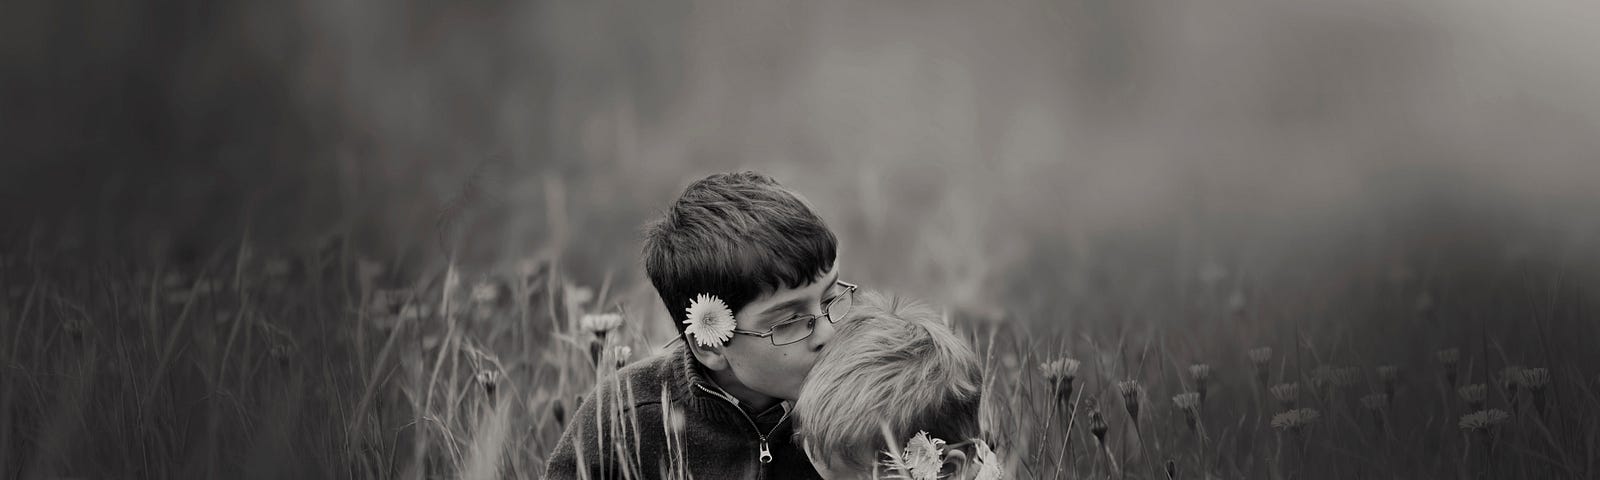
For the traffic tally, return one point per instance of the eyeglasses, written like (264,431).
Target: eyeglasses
(799,327)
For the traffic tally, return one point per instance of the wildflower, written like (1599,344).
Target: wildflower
(1451,359)
(1388,374)
(485,293)
(1482,420)
(988,463)
(1097,426)
(1287,394)
(1131,391)
(1535,380)
(620,354)
(1060,373)
(488,379)
(578,295)
(281,353)
(1189,402)
(1473,394)
(1259,357)
(601,323)
(1295,420)
(1376,401)
(921,459)
(710,321)
(1201,373)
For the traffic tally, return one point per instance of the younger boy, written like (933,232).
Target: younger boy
(894,373)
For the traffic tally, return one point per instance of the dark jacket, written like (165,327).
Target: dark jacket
(619,430)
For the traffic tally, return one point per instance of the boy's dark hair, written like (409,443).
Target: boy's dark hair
(737,236)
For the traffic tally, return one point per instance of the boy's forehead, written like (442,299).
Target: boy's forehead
(767,308)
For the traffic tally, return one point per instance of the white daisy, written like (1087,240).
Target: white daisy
(710,321)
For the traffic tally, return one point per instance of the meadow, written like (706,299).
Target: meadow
(1111,357)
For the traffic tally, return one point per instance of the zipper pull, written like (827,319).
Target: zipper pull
(766,454)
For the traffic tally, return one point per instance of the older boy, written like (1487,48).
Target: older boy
(895,376)
(717,404)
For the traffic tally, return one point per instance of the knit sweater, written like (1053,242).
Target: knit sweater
(619,430)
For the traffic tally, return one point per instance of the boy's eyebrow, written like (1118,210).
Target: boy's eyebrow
(797,303)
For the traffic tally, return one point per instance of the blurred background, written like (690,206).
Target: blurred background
(1070,163)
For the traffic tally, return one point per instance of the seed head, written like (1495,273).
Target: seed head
(1260,355)
(621,353)
(1295,420)
(601,323)
(1097,425)
(1061,369)
(1187,401)
(1375,402)
(1534,378)
(1449,356)
(1388,373)
(1473,394)
(1286,393)
(1131,391)
(488,379)
(1483,420)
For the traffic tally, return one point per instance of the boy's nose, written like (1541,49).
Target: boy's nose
(822,334)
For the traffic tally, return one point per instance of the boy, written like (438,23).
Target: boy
(757,267)
(895,374)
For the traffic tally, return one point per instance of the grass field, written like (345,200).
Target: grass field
(322,361)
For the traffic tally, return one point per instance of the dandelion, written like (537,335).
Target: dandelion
(488,380)
(920,460)
(709,321)
(1388,374)
(1535,380)
(1295,420)
(281,352)
(601,324)
(1259,357)
(1482,420)
(1451,359)
(1189,403)
(1474,395)
(1131,391)
(1376,403)
(1060,373)
(620,354)
(1097,426)
(1201,373)
(485,293)
(1287,394)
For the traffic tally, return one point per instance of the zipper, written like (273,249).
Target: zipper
(766,451)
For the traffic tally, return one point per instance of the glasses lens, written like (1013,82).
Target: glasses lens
(840,306)
(793,331)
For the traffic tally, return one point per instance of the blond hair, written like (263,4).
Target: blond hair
(892,367)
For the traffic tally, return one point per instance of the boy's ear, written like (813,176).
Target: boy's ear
(711,357)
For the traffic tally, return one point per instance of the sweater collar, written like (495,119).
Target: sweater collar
(698,388)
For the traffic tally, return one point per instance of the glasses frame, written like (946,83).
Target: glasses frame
(811,319)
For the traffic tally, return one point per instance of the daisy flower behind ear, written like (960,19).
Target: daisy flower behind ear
(710,321)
